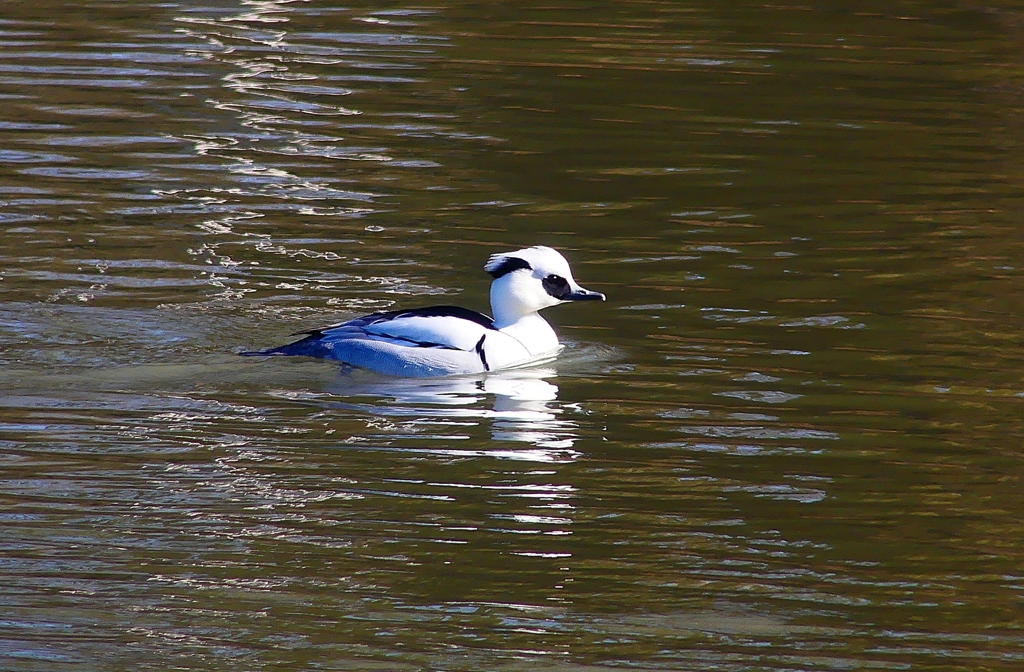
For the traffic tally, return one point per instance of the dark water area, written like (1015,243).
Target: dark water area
(790,440)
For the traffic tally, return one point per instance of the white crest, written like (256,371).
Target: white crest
(542,261)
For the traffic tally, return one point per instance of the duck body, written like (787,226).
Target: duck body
(432,341)
(449,340)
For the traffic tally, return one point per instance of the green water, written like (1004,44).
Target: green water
(790,440)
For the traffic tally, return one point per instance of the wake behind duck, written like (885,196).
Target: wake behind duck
(447,340)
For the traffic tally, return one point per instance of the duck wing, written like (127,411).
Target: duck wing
(439,327)
(448,327)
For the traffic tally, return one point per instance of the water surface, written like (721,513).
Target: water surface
(789,441)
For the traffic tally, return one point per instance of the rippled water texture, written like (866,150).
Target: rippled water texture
(790,440)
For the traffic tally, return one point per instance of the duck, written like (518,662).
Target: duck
(451,340)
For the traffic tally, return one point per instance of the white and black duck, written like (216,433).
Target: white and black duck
(446,340)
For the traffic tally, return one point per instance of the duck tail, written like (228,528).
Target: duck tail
(310,346)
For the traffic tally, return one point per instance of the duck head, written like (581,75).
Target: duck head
(530,280)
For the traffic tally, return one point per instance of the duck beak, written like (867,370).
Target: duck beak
(580,294)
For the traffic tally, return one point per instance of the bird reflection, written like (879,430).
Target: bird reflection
(522,411)
(519,405)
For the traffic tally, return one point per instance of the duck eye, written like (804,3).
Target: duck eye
(556,286)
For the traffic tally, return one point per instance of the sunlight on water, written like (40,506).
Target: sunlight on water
(789,441)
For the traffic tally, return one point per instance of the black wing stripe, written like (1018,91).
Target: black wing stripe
(428,311)
(480,352)
(418,344)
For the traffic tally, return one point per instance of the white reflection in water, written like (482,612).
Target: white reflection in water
(519,405)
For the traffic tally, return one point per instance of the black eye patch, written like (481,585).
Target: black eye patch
(556,286)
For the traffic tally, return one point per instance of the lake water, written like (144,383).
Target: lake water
(790,440)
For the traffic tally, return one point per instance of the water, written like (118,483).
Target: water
(789,441)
